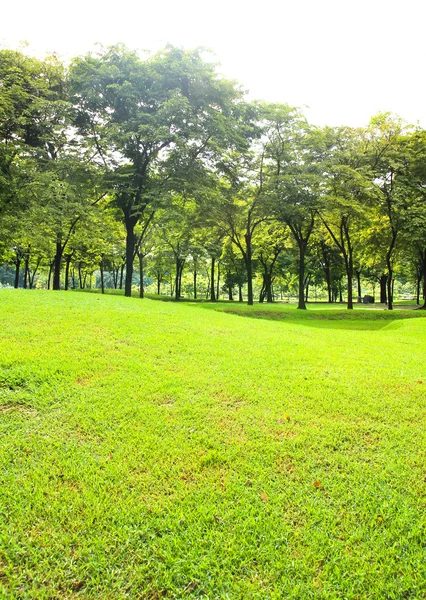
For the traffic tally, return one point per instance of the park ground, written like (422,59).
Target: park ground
(173,450)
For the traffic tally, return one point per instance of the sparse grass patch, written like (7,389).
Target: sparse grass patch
(158,450)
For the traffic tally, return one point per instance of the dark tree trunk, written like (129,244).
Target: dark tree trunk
(249,268)
(218,281)
(269,293)
(195,284)
(158,282)
(212,290)
(141,288)
(101,268)
(418,283)
(350,290)
(327,276)
(130,223)
(340,291)
(230,294)
(57,266)
(329,289)
(326,269)
(389,286)
(114,277)
(423,264)
(17,267)
(121,276)
(67,270)
(27,269)
(358,283)
(180,262)
(240,293)
(32,276)
(302,251)
(383,288)
(350,276)
(307,284)
(263,290)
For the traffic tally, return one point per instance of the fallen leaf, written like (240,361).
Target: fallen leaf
(191,586)
(380,519)
(317,484)
(284,419)
(264,497)
(419,381)
(219,520)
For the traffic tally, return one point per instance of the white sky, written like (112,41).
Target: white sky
(344,59)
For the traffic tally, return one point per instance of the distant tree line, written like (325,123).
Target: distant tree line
(117,163)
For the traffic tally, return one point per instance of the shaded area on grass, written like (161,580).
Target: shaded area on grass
(328,318)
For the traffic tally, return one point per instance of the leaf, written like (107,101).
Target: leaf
(264,497)
(284,419)
(317,484)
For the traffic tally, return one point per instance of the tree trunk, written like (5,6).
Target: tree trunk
(249,268)
(195,284)
(50,274)
(17,267)
(389,285)
(141,288)
(358,282)
(27,269)
(67,270)
(57,266)
(180,262)
(230,295)
(263,290)
(130,253)
(212,290)
(350,274)
(121,276)
(383,287)
(350,290)
(158,282)
(302,250)
(218,281)
(240,293)
(32,276)
(101,268)
(114,276)
(307,284)
(423,263)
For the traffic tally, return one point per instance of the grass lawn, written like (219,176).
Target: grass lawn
(160,450)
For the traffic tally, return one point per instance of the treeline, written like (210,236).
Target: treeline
(115,162)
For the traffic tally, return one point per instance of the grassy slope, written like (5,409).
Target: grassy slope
(155,450)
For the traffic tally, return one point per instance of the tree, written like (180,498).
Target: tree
(295,154)
(150,122)
(385,149)
(347,191)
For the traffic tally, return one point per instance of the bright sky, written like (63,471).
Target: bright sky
(344,59)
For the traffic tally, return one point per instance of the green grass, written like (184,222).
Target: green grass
(161,450)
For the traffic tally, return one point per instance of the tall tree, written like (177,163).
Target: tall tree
(149,122)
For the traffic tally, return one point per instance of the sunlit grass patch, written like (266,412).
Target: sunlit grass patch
(161,450)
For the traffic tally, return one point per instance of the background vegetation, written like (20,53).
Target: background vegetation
(114,161)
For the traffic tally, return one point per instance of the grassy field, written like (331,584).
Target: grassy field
(159,450)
